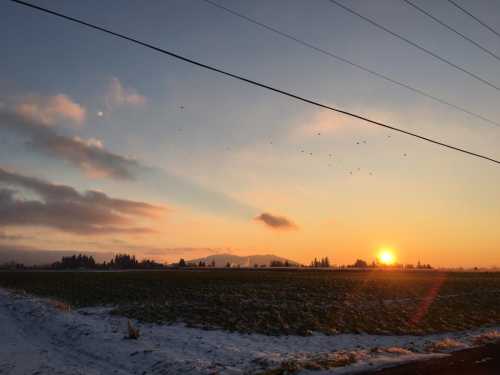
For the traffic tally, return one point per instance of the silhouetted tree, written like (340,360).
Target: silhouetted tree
(182,263)
(423,266)
(323,262)
(360,263)
(75,262)
(12,266)
(149,264)
(280,263)
(124,261)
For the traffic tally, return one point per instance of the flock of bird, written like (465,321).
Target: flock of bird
(362,142)
(330,155)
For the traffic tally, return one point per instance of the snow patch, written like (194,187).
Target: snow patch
(40,335)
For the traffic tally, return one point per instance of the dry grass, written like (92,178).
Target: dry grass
(59,305)
(397,350)
(328,361)
(133,333)
(445,345)
(487,337)
(323,361)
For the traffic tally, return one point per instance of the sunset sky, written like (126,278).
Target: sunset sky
(107,146)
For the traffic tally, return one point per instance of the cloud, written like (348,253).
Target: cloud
(322,123)
(90,142)
(91,156)
(12,237)
(87,154)
(119,96)
(167,252)
(328,123)
(276,222)
(51,110)
(64,208)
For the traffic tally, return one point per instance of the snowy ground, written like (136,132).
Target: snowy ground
(37,337)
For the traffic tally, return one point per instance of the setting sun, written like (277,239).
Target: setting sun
(386,257)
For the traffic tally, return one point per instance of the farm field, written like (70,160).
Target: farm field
(281,302)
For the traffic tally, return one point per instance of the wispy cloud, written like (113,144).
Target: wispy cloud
(328,123)
(64,208)
(91,156)
(118,96)
(87,154)
(12,237)
(51,110)
(276,222)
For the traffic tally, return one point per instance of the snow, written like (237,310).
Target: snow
(43,337)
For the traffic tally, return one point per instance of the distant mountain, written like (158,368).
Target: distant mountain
(30,257)
(241,260)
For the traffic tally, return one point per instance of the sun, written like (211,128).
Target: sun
(386,257)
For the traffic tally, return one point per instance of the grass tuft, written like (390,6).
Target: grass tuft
(133,333)
(487,337)
(445,345)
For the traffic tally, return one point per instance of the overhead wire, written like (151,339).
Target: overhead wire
(350,62)
(478,20)
(452,29)
(256,83)
(416,45)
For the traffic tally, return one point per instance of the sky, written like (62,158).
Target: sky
(108,146)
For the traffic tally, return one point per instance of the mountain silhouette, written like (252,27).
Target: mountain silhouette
(242,260)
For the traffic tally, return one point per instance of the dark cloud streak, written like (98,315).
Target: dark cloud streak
(64,208)
(276,222)
(91,157)
(88,156)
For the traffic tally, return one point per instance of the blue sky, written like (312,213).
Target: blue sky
(206,139)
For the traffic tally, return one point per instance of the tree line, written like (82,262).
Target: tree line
(126,261)
(82,261)
(360,263)
(119,261)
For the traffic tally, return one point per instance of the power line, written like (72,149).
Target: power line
(428,14)
(255,83)
(474,17)
(350,62)
(416,45)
